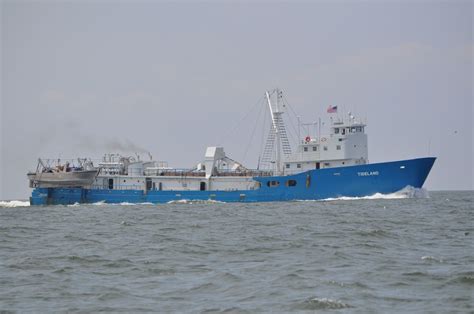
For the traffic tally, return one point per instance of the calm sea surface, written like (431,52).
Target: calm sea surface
(364,255)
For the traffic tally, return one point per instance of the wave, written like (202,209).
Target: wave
(184,201)
(407,192)
(323,304)
(100,203)
(431,258)
(11,204)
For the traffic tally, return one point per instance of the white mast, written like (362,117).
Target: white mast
(272,153)
(275,128)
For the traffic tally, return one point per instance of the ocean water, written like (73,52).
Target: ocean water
(411,252)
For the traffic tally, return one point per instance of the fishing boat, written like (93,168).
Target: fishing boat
(319,166)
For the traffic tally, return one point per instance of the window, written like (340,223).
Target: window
(336,131)
(287,166)
(325,148)
(305,148)
(338,147)
(315,148)
(353,130)
(273,184)
(298,166)
(291,183)
(343,131)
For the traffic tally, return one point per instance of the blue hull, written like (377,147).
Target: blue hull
(352,181)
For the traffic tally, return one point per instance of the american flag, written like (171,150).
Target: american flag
(332,109)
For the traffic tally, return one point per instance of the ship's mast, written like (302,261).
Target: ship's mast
(274,115)
(274,152)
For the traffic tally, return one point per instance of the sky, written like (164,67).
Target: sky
(79,79)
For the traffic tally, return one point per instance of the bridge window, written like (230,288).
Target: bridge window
(287,166)
(325,148)
(336,131)
(338,147)
(305,148)
(273,184)
(298,166)
(315,148)
(291,183)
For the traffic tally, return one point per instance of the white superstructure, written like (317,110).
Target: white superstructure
(216,172)
(346,144)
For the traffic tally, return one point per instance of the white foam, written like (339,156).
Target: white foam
(179,202)
(326,303)
(99,203)
(10,204)
(407,192)
(184,201)
(111,204)
(431,258)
